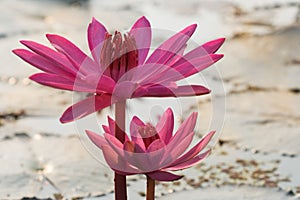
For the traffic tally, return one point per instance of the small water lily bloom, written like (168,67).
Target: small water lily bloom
(150,150)
(118,68)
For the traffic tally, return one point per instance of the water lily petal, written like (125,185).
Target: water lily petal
(189,163)
(182,138)
(186,68)
(96,36)
(145,74)
(98,140)
(140,161)
(201,54)
(57,81)
(134,132)
(134,126)
(163,91)
(205,49)
(137,157)
(163,74)
(100,82)
(106,129)
(129,146)
(173,152)
(156,145)
(156,151)
(116,144)
(127,173)
(112,126)
(118,163)
(157,64)
(185,128)
(165,126)
(60,82)
(86,107)
(79,59)
(124,90)
(176,56)
(172,46)
(141,31)
(213,45)
(124,151)
(196,149)
(42,63)
(163,176)
(56,57)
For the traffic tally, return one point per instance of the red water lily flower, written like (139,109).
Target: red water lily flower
(152,150)
(118,69)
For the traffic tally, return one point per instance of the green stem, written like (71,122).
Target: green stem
(150,189)
(120,180)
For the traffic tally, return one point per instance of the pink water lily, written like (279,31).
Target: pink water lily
(118,68)
(152,150)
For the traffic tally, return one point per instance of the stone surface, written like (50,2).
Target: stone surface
(275,64)
(43,166)
(227,193)
(264,120)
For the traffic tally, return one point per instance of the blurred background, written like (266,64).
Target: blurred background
(256,154)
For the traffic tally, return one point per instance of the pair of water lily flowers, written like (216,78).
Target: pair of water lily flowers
(119,69)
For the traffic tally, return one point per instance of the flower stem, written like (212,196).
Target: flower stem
(120,180)
(150,188)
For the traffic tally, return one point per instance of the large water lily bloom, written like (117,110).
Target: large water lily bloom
(119,68)
(152,150)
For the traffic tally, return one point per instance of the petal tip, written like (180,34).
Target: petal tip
(195,114)
(94,22)
(94,19)
(49,35)
(17,51)
(142,22)
(190,29)
(53,37)
(216,57)
(25,42)
(32,77)
(169,110)
(65,117)
(164,176)
(194,25)
(207,90)
(144,19)
(222,39)
(207,153)
(62,120)
(88,132)
(110,120)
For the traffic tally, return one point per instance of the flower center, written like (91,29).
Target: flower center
(148,133)
(118,55)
